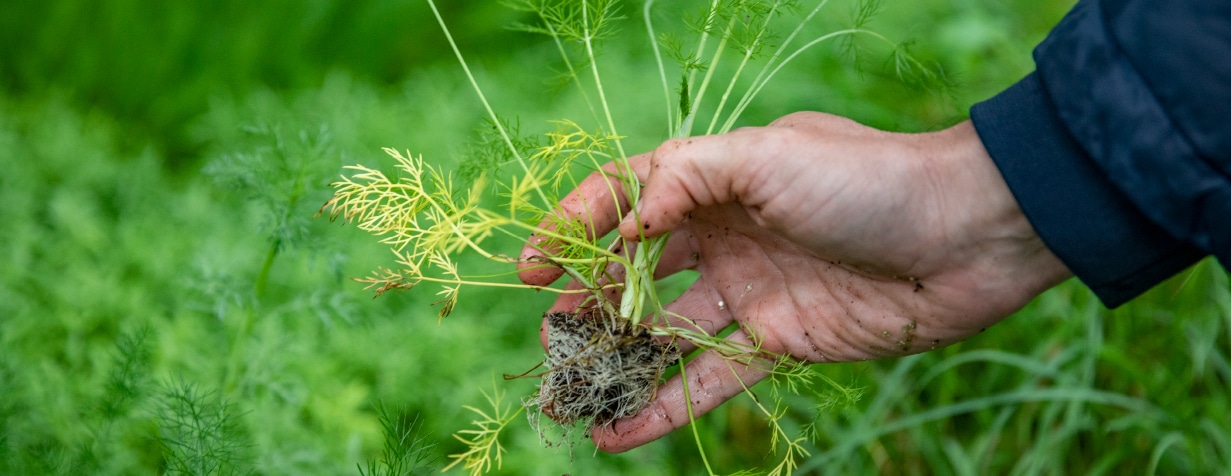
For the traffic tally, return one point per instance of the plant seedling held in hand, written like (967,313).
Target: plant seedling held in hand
(606,357)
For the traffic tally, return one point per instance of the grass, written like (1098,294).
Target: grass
(159,265)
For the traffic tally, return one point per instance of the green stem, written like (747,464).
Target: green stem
(235,359)
(692,421)
(755,89)
(639,280)
(747,98)
(556,236)
(489,284)
(508,141)
(709,74)
(262,278)
(245,324)
(705,34)
(588,40)
(572,71)
(658,57)
(722,104)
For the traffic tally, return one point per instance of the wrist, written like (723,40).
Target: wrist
(999,254)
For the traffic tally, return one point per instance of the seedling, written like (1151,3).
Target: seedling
(605,358)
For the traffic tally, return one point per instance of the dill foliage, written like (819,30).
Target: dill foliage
(128,275)
(508,186)
(128,383)
(281,174)
(406,451)
(200,432)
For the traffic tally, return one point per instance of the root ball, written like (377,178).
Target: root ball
(599,369)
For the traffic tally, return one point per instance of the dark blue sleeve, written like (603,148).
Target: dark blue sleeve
(1118,148)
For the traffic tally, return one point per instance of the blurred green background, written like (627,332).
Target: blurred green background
(168,303)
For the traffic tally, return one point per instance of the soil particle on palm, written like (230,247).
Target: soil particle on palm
(908,337)
(599,369)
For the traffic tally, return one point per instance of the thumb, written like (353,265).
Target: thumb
(684,174)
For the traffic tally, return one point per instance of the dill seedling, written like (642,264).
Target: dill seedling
(129,380)
(483,442)
(279,174)
(103,427)
(405,451)
(200,432)
(281,170)
(604,359)
(10,406)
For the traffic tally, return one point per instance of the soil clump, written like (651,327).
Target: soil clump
(599,369)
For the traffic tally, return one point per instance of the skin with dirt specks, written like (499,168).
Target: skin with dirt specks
(827,241)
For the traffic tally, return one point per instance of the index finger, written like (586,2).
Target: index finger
(598,202)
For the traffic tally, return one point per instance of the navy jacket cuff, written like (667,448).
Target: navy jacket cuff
(1079,214)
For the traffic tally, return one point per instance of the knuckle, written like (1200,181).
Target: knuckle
(819,121)
(673,143)
(668,152)
(796,118)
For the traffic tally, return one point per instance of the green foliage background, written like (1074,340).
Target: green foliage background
(169,305)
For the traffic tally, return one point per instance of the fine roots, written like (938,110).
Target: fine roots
(599,369)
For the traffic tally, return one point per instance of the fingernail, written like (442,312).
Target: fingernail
(631,218)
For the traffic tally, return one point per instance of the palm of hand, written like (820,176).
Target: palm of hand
(832,252)
(785,301)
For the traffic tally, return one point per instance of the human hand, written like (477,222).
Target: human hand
(826,241)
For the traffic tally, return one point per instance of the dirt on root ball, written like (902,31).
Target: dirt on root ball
(599,370)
